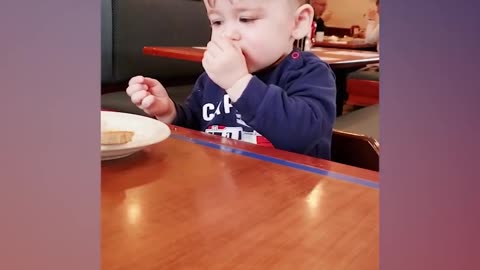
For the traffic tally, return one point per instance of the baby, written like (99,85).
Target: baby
(256,86)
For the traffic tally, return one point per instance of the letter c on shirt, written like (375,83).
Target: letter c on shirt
(207,112)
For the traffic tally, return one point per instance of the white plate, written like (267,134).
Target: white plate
(147,131)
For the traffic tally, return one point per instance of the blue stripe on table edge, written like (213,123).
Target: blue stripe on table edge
(339,176)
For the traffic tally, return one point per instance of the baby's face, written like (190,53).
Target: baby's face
(261,28)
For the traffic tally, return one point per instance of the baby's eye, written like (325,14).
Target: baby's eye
(216,23)
(247,20)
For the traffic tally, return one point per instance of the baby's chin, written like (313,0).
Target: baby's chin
(255,66)
(262,63)
(252,69)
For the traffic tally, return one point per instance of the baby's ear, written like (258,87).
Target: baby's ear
(303,21)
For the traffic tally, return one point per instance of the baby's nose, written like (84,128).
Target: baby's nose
(232,35)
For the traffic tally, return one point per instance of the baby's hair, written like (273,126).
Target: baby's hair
(211,3)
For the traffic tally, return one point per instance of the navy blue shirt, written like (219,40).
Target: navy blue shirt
(290,106)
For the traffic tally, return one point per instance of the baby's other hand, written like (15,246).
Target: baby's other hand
(150,96)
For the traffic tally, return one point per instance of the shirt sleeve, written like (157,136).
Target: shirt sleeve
(189,112)
(296,118)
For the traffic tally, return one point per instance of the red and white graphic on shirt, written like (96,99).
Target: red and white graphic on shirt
(237,133)
(224,106)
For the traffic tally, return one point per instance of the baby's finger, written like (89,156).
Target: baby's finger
(147,102)
(132,89)
(207,63)
(155,106)
(150,82)
(224,43)
(137,97)
(136,80)
(155,87)
(208,56)
(213,49)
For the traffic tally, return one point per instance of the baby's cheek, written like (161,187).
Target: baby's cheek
(214,34)
(253,62)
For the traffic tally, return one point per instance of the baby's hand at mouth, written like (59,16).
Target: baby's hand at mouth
(224,62)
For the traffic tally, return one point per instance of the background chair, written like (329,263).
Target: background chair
(356,138)
(363,86)
(355,150)
(129,25)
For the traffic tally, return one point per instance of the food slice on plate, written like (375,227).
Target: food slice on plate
(115,137)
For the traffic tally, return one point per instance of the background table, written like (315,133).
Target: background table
(337,58)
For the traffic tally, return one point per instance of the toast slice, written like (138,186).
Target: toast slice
(116,137)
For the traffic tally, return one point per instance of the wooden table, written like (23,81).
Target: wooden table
(344,58)
(336,58)
(347,45)
(197,201)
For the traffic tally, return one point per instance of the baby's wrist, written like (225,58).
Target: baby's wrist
(236,91)
(170,115)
